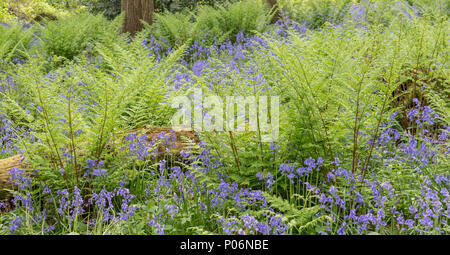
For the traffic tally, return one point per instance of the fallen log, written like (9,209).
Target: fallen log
(152,132)
(5,166)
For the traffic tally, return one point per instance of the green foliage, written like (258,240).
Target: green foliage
(179,5)
(68,37)
(15,41)
(211,23)
(149,88)
(299,220)
(435,8)
(80,102)
(316,13)
(31,10)
(110,8)
(342,85)
(5,16)
(174,27)
(249,16)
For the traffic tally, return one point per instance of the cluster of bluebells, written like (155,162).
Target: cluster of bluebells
(20,178)
(158,224)
(75,204)
(200,58)
(205,161)
(7,84)
(141,148)
(433,208)
(285,24)
(372,207)
(8,131)
(266,179)
(378,204)
(422,115)
(138,146)
(360,13)
(244,199)
(95,168)
(7,136)
(406,12)
(292,172)
(167,140)
(248,225)
(359,204)
(415,151)
(174,185)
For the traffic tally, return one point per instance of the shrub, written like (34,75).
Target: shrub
(34,10)
(174,27)
(5,15)
(15,41)
(227,21)
(69,36)
(208,25)
(316,13)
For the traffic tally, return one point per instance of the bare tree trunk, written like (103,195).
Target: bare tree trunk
(276,13)
(135,11)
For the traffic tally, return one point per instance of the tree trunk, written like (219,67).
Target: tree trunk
(136,11)
(276,13)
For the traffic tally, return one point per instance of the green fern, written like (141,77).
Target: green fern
(300,219)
